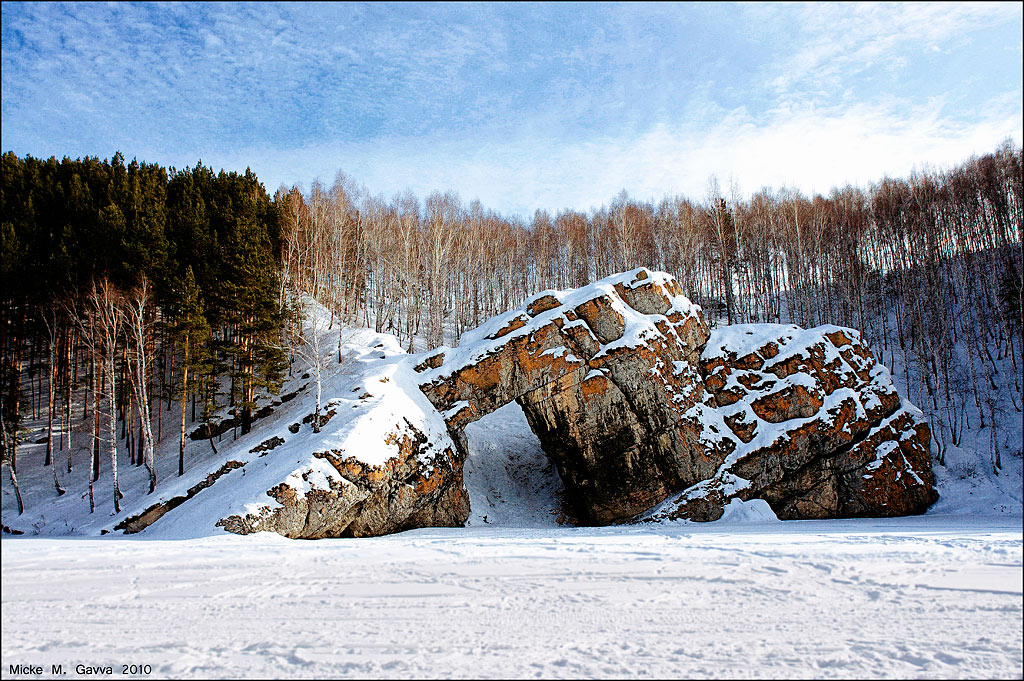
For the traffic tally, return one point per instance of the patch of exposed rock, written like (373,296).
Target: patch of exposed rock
(139,522)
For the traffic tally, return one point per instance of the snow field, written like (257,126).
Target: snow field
(924,597)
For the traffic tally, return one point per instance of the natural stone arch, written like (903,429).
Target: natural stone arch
(605,376)
(636,404)
(632,408)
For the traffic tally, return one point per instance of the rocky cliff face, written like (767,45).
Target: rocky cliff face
(636,401)
(813,425)
(357,499)
(645,413)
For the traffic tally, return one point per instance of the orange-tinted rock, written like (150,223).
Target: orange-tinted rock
(792,401)
(516,322)
(431,362)
(616,387)
(605,395)
(727,396)
(365,500)
(606,322)
(751,360)
(831,437)
(744,427)
(542,304)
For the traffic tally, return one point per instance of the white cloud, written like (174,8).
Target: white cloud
(843,39)
(811,150)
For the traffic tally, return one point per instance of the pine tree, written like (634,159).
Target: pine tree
(251,296)
(191,332)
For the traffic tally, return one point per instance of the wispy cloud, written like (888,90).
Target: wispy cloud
(837,41)
(522,106)
(810,150)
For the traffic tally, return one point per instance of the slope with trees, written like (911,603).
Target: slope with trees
(129,288)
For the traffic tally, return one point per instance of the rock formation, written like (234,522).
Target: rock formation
(645,413)
(814,427)
(382,462)
(366,500)
(608,377)
(633,404)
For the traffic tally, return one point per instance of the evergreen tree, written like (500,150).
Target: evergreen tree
(251,298)
(191,333)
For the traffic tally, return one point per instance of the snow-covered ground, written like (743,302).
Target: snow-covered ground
(517,594)
(511,482)
(935,597)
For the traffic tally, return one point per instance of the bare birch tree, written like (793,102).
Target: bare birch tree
(108,303)
(140,332)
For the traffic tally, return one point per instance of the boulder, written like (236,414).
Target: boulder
(356,499)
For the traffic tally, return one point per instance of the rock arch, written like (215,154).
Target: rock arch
(605,376)
(645,412)
(612,380)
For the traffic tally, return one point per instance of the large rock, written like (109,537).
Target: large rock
(634,405)
(351,498)
(645,413)
(607,376)
(814,425)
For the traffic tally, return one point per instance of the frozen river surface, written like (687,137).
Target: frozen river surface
(926,597)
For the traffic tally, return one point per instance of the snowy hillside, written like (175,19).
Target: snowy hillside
(45,513)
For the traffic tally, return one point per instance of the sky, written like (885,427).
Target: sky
(522,106)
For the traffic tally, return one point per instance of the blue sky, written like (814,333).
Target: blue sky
(523,106)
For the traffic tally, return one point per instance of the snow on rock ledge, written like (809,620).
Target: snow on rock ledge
(814,426)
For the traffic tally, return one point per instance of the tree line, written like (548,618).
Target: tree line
(129,291)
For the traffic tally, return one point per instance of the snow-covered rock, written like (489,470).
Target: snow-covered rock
(814,426)
(605,375)
(636,401)
(382,462)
